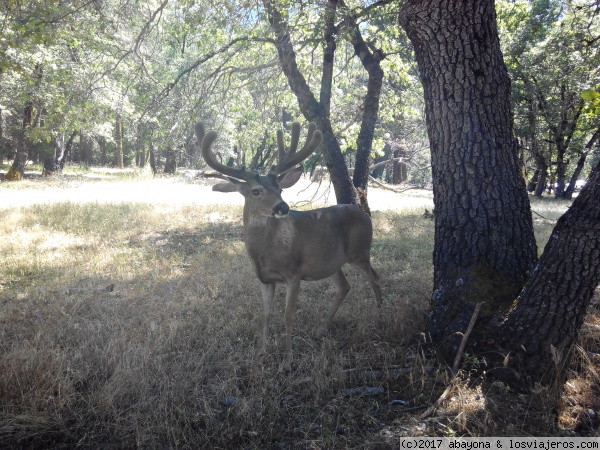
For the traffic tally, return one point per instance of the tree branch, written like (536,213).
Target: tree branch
(328,55)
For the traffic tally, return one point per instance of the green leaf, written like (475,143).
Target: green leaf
(590,95)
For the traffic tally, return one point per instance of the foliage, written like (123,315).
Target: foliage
(551,50)
(592,99)
(160,66)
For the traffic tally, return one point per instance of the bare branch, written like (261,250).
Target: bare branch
(386,162)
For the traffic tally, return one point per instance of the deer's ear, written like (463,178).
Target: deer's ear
(226,187)
(291,178)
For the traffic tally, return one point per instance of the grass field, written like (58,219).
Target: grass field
(130,314)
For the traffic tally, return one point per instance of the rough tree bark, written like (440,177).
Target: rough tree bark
(542,326)
(484,243)
(483,219)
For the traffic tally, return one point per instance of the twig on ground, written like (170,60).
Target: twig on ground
(429,411)
(457,359)
(545,218)
(465,337)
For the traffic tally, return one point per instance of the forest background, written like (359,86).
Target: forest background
(121,84)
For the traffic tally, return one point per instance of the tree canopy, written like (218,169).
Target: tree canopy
(157,67)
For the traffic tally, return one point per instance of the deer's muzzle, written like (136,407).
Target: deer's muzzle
(281,210)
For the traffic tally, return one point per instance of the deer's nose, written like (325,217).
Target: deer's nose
(281,210)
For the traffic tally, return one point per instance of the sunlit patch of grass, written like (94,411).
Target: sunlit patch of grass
(545,212)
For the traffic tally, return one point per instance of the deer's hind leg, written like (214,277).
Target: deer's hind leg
(341,289)
(367,270)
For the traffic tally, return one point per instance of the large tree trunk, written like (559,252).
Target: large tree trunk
(484,242)
(542,326)
(17,169)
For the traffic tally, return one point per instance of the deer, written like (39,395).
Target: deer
(288,246)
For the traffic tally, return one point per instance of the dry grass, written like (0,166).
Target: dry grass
(134,324)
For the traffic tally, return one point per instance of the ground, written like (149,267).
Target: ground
(129,313)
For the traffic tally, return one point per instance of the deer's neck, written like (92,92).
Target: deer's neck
(263,232)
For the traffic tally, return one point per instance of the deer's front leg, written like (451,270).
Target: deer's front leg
(291,300)
(268,292)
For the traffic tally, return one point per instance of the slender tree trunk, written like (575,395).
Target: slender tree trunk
(371,63)
(542,165)
(399,173)
(49,168)
(102,144)
(151,158)
(541,173)
(55,163)
(17,170)
(378,170)
(559,184)
(313,110)
(2,142)
(484,242)
(562,132)
(534,180)
(542,326)
(580,162)
(170,161)
(119,142)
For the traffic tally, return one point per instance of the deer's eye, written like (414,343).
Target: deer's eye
(256,192)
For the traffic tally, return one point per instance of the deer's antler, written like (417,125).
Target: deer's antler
(291,158)
(287,160)
(206,140)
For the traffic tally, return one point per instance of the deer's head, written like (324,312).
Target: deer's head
(262,193)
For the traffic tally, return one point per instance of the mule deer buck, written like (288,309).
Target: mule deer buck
(288,246)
